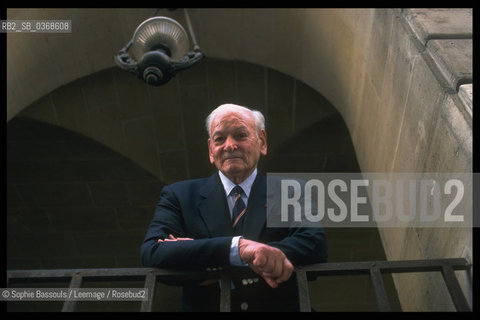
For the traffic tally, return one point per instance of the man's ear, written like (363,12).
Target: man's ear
(263,141)
(210,152)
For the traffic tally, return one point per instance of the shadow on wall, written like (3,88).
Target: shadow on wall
(324,146)
(72,202)
(88,206)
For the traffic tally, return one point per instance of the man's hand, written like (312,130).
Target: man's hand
(269,262)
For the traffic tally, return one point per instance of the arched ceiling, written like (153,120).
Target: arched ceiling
(293,41)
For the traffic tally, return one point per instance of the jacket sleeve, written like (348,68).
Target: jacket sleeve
(197,254)
(303,246)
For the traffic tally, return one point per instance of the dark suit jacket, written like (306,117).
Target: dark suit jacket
(198,209)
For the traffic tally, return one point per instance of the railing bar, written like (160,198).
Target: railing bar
(379,289)
(69,305)
(109,272)
(395,266)
(357,266)
(454,289)
(446,266)
(150,281)
(303,292)
(225,297)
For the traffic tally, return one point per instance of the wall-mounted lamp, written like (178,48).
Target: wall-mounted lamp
(160,48)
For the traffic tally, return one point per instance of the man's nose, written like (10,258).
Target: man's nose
(230,144)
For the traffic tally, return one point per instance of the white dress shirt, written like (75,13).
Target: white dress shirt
(228,186)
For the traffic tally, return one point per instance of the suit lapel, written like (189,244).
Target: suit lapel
(213,208)
(255,217)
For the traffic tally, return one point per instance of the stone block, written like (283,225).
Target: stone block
(79,219)
(135,217)
(454,60)
(55,194)
(465,93)
(42,109)
(422,110)
(379,45)
(195,108)
(440,23)
(131,95)
(221,82)
(310,107)
(107,194)
(105,126)
(217,26)
(121,170)
(251,85)
(46,245)
(13,198)
(25,220)
(196,75)
(108,244)
(256,29)
(167,116)
(174,163)
(24,129)
(279,113)
(24,263)
(447,154)
(145,193)
(459,122)
(70,108)
(141,143)
(88,150)
(99,89)
(49,171)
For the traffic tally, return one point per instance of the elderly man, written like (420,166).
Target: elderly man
(220,223)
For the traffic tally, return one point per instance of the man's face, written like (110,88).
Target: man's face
(234,146)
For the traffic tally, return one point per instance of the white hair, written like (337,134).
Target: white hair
(229,107)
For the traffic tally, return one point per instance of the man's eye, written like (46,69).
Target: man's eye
(242,135)
(218,139)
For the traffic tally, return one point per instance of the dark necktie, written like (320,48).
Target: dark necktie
(239,207)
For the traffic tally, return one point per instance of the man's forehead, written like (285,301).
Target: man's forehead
(233,120)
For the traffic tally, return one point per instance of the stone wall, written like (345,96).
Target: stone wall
(423,86)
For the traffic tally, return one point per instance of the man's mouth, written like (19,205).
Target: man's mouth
(232,158)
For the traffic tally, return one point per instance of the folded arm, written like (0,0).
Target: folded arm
(200,253)
(167,245)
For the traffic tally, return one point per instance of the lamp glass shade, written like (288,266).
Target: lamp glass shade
(160,33)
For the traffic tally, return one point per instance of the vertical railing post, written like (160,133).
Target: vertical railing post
(454,289)
(379,289)
(303,292)
(76,282)
(150,282)
(225,296)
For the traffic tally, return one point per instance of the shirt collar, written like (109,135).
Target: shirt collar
(246,184)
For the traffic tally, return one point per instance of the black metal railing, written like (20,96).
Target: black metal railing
(151,276)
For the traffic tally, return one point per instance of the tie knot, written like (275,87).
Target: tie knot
(237,190)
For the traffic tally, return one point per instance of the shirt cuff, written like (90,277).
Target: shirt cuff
(235,254)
